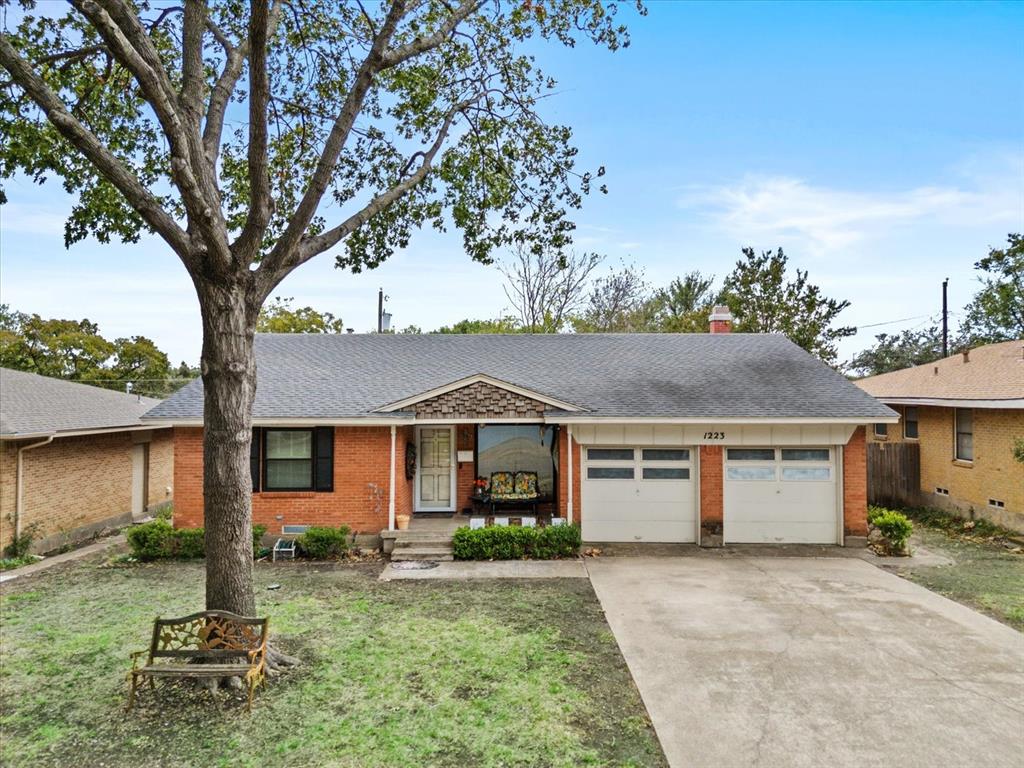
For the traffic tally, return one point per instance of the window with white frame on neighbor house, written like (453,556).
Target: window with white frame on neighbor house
(964,434)
(881,430)
(910,422)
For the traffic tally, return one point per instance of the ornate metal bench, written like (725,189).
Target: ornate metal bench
(225,645)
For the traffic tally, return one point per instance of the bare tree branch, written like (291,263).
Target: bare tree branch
(109,166)
(426,43)
(192,74)
(547,288)
(260,203)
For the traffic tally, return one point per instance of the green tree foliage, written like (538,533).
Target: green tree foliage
(684,305)
(278,316)
(75,350)
(763,299)
(893,352)
(997,311)
(498,325)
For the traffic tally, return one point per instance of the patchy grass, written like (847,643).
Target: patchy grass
(493,673)
(10,563)
(986,575)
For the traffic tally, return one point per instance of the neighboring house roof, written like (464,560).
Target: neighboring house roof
(33,405)
(686,376)
(986,377)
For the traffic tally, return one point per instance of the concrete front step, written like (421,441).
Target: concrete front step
(439,554)
(420,543)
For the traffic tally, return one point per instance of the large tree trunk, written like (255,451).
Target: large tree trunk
(229,378)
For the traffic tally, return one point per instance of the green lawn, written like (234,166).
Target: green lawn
(491,673)
(985,575)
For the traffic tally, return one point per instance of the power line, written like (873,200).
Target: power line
(892,322)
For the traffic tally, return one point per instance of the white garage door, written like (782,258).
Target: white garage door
(638,494)
(780,495)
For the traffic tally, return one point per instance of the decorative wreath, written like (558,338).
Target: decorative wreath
(410,461)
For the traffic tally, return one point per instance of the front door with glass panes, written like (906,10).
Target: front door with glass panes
(435,477)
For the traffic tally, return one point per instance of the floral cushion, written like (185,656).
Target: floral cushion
(526,483)
(502,483)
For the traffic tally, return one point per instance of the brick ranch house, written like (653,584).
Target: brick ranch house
(964,412)
(76,459)
(699,438)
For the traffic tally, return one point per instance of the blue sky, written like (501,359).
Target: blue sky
(882,145)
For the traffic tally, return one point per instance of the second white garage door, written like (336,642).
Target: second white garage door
(780,495)
(638,494)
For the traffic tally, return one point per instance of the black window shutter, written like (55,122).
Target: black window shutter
(324,471)
(254,459)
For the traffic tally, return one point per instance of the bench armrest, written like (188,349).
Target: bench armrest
(135,656)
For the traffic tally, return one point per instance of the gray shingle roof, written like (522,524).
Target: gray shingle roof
(609,375)
(31,404)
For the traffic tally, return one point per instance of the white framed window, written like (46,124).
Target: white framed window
(610,473)
(964,434)
(881,430)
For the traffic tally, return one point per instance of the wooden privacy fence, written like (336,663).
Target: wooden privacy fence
(894,474)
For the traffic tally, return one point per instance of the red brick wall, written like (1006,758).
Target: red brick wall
(465,440)
(361,457)
(712,500)
(563,476)
(855,485)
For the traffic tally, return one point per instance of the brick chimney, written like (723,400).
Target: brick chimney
(721,319)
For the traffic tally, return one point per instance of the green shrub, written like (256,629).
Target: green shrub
(258,531)
(896,529)
(875,512)
(323,543)
(10,563)
(150,541)
(157,540)
(187,544)
(516,543)
(165,512)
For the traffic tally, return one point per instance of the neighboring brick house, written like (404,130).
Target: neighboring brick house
(640,437)
(965,412)
(76,459)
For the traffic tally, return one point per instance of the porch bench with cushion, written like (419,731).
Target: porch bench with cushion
(224,645)
(510,490)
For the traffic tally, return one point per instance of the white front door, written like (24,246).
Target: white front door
(140,480)
(435,469)
(780,496)
(638,494)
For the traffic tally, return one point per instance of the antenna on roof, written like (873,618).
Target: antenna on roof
(945,320)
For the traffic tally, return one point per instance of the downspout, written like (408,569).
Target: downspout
(568,513)
(19,483)
(391,491)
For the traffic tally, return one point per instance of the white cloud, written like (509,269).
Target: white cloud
(824,219)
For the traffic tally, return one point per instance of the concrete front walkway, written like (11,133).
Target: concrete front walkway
(75,554)
(780,661)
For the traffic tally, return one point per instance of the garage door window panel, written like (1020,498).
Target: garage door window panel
(666,473)
(750,454)
(806,454)
(751,473)
(665,454)
(806,473)
(610,473)
(610,454)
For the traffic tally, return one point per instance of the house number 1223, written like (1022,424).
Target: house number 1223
(714,435)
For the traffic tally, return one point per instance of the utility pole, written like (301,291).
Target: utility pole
(383,318)
(945,319)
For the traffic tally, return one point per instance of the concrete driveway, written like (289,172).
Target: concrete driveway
(788,661)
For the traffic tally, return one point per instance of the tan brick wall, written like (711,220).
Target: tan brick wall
(855,485)
(161,468)
(361,456)
(479,401)
(76,485)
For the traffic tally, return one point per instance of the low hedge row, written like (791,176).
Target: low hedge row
(516,543)
(159,540)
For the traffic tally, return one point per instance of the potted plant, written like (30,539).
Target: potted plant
(402,522)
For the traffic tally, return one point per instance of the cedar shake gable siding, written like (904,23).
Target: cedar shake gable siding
(482,401)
